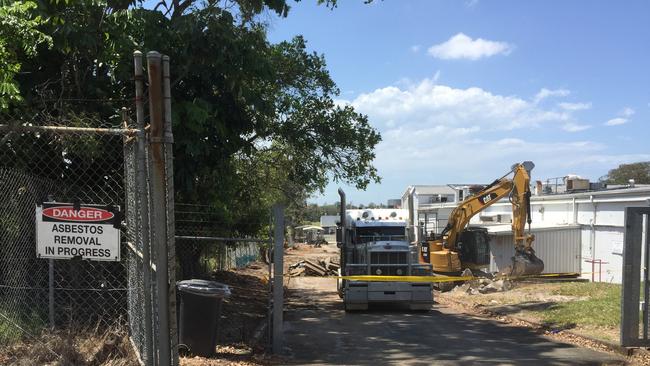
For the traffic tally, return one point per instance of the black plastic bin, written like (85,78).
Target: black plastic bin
(199,304)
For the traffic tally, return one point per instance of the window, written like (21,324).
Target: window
(373,233)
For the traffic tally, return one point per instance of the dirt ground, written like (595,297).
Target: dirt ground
(241,333)
(527,301)
(517,304)
(524,305)
(486,305)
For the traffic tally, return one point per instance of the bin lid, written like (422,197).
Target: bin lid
(204,288)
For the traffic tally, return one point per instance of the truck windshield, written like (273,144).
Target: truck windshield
(366,234)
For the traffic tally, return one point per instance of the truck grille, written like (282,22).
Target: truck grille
(379,260)
(388,258)
(389,271)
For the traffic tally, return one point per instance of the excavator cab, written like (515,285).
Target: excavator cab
(474,247)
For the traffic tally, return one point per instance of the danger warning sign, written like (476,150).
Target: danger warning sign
(91,232)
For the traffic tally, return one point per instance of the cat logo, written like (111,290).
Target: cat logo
(484,199)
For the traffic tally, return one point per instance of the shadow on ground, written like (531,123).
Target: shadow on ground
(527,305)
(326,334)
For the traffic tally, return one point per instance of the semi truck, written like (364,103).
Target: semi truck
(379,242)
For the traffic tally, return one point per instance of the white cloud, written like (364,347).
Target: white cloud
(574,127)
(575,106)
(547,93)
(429,130)
(428,103)
(616,121)
(627,112)
(415,48)
(461,46)
(471,3)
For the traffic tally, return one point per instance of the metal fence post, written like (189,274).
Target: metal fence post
(169,203)
(278,277)
(646,277)
(633,251)
(158,193)
(50,282)
(142,191)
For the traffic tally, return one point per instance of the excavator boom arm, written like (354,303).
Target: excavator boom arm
(462,214)
(518,191)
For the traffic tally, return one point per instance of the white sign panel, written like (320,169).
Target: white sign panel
(91,232)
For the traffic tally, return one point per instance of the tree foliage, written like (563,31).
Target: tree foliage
(640,172)
(19,39)
(254,122)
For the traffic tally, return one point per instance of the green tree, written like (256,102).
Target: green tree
(19,39)
(254,122)
(640,172)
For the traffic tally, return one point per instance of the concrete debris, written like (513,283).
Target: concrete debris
(462,288)
(488,289)
(482,285)
(467,273)
(320,267)
(487,286)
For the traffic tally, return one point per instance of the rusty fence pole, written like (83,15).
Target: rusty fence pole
(158,195)
(278,277)
(143,216)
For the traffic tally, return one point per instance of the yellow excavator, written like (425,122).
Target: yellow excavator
(458,247)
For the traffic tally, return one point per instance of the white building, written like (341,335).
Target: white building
(571,229)
(329,222)
(433,203)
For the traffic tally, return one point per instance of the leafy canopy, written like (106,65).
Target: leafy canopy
(640,172)
(19,38)
(254,122)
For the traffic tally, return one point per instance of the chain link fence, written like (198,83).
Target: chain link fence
(57,155)
(208,248)
(56,158)
(205,244)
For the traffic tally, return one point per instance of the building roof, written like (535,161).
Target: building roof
(637,191)
(434,189)
(309,227)
(429,189)
(506,229)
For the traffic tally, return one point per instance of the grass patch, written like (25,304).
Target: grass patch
(601,306)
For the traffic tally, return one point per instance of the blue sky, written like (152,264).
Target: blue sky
(460,90)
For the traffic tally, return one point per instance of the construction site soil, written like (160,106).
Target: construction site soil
(242,333)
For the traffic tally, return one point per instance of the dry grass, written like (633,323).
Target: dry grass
(71,347)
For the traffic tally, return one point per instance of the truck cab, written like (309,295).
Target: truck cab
(377,242)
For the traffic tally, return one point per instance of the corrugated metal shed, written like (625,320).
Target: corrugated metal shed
(558,247)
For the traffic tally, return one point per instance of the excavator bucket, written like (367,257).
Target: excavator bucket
(526,264)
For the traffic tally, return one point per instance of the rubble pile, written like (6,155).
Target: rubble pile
(484,286)
(320,267)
